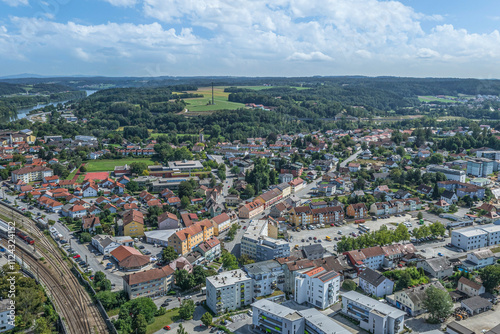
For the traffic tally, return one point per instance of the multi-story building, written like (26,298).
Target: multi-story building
(437,267)
(372,257)
(250,210)
(304,215)
(150,283)
(295,169)
(374,283)
(268,276)
(210,249)
(256,244)
(474,237)
(269,317)
(450,174)
(480,167)
(133,224)
(317,287)
(269,248)
(270,197)
(357,210)
(6,316)
(185,240)
(481,258)
(185,165)
(229,291)
(221,223)
(31,173)
(373,316)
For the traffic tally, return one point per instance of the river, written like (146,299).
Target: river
(22,113)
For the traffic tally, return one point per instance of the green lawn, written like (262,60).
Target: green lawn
(72,174)
(433,98)
(162,320)
(107,165)
(268,87)
(200,104)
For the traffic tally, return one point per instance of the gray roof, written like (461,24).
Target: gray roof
(313,249)
(476,302)
(276,309)
(456,327)
(373,304)
(322,322)
(447,194)
(439,263)
(373,277)
(417,294)
(483,254)
(494,330)
(264,267)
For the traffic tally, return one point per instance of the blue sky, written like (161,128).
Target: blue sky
(420,38)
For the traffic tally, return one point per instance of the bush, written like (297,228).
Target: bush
(349,285)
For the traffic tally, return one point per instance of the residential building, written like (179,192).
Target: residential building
(229,291)
(270,197)
(297,184)
(250,210)
(470,288)
(268,276)
(210,249)
(437,267)
(374,283)
(185,240)
(104,243)
(269,317)
(373,316)
(129,258)
(31,173)
(313,251)
(317,287)
(481,258)
(295,169)
(221,223)
(7,318)
(256,244)
(450,174)
(133,224)
(168,221)
(90,223)
(357,210)
(150,283)
(474,237)
(480,167)
(412,300)
(372,257)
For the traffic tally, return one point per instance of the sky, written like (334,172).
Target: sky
(418,38)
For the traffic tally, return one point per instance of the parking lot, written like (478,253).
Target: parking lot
(306,237)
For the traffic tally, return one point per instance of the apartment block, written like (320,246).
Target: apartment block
(229,291)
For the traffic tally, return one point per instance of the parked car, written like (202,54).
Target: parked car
(77,256)
(141,247)
(167,328)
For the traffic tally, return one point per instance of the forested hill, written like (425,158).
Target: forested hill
(39,88)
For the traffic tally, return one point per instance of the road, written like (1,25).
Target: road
(354,156)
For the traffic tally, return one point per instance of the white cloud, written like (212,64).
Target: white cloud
(262,37)
(122,3)
(15,3)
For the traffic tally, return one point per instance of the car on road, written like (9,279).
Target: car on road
(141,247)
(167,328)
(165,304)
(187,297)
(303,240)
(440,254)
(77,256)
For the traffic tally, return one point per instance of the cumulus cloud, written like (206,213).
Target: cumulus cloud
(15,3)
(260,37)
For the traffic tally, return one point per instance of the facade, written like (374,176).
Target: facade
(31,174)
(470,288)
(357,210)
(450,174)
(373,316)
(412,300)
(210,249)
(133,224)
(229,291)
(476,237)
(250,210)
(168,221)
(256,244)
(158,237)
(221,223)
(104,243)
(480,167)
(269,317)
(317,287)
(185,240)
(267,276)
(374,283)
(481,259)
(6,319)
(150,283)
(437,267)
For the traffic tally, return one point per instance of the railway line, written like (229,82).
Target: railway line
(72,302)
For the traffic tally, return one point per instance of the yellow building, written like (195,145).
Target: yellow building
(133,224)
(185,240)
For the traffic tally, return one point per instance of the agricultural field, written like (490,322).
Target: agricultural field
(268,87)
(110,164)
(198,104)
(448,99)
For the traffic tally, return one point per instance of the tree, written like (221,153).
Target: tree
(138,167)
(83,169)
(185,202)
(349,285)
(199,275)
(401,233)
(186,310)
(169,254)
(235,169)
(132,186)
(181,330)
(140,324)
(437,229)
(42,326)
(221,173)
(184,280)
(207,319)
(490,276)
(185,189)
(420,215)
(85,237)
(436,159)
(438,303)
(229,261)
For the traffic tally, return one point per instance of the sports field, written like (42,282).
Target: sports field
(106,165)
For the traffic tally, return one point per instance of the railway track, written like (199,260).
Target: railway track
(72,302)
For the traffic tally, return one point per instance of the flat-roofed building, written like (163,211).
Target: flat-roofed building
(185,165)
(476,237)
(229,291)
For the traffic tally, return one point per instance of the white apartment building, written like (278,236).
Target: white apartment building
(229,291)
(267,277)
(251,237)
(317,287)
(481,259)
(374,316)
(256,244)
(374,283)
(269,317)
(5,316)
(476,237)
(31,173)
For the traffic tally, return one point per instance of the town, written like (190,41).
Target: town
(338,231)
